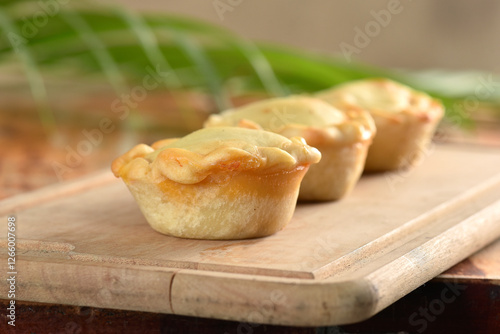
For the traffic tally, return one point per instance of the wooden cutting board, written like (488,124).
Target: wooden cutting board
(86,243)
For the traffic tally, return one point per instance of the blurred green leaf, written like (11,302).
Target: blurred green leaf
(88,39)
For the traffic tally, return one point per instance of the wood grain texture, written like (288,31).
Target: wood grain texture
(483,265)
(60,281)
(335,263)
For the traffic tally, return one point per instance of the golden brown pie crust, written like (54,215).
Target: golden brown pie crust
(342,137)
(219,183)
(405,119)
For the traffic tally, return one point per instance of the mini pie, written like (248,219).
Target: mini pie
(405,119)
(341,137)
(217,183)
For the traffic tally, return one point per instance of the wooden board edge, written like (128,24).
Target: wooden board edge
(270,300)
(131,288)
(328,302)
(250,299)
(417,231)
(150,289)
(486,227)
(23,201)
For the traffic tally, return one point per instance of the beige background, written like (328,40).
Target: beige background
(450,34)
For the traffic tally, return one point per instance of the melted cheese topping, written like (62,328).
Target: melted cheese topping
(278,113)
(223,149)
(377,96)
(307,117)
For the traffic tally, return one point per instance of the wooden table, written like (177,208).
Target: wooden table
(465,298)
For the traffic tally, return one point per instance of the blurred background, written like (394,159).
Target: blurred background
(82,82)
(448,34)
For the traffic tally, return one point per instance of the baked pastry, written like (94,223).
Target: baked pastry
(218,183)
(405,119)
(342,137)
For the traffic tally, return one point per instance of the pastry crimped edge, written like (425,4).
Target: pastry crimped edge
(403,135)
(342,143)
(342,160)
(226,192)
